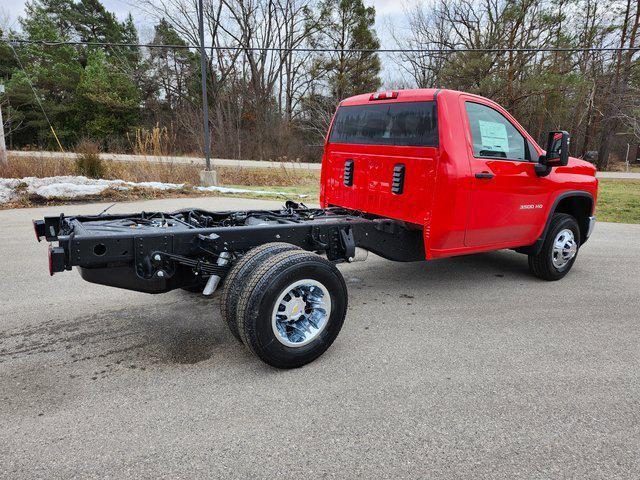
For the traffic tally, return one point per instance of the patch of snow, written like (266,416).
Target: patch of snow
(68,190)
(7,194)
(78,186)
(9,182)
(33,183)
(72,186)
(158,185)
(245,190)
(7,189)
(68,187)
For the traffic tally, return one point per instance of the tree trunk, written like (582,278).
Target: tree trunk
(610,120)
(3,146)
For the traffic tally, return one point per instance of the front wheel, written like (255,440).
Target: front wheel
(559,250)
(292,308)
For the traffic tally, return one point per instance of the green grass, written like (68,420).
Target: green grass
(312,191)
(619,201)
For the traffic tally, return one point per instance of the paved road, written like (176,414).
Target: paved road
(466,368)
(619,175)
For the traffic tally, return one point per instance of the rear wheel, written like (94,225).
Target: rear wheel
(292,308)
(559,250)
(237,278)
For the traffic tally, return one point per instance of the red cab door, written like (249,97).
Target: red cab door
(507,198)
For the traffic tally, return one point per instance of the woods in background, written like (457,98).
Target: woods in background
(595,95)
(267,104)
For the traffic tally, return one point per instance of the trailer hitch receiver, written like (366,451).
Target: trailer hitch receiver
(56,260)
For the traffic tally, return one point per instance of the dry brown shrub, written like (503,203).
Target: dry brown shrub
(157,141)
(153,172)
(283,176)
(88,162)
(19,167)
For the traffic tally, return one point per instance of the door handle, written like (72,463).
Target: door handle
(485,175)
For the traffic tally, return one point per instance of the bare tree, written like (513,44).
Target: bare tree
(581,90)
(222,64)
(252,87)
(297,24)
(619,81)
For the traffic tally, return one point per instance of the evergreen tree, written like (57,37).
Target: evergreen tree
(93,23)
(108,100)
(54,73)
(130,35)
(173,72)
(7,60)
(83,92)
(349,25)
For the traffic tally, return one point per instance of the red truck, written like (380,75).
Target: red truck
(409,175)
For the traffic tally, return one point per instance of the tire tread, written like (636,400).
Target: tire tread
(539,264)
(252,296)
(235,281)
(258,276)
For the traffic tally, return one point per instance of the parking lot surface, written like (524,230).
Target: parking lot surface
(460,368)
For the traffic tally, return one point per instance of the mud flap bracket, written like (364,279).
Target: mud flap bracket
(348,243)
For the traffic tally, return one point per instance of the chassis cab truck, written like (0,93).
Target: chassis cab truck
(408,175)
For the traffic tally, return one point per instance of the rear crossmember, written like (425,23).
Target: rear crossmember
(158,252)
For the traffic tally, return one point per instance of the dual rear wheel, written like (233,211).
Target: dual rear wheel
(286,305)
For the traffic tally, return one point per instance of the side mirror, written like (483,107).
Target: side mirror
(557,150)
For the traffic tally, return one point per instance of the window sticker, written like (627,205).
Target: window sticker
(494,136)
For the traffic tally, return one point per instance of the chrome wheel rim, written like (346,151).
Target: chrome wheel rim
(301,313)
(564,248)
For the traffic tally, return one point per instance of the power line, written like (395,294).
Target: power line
(322,50)
(35,94)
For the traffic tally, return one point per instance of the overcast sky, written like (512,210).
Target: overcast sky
(386,10)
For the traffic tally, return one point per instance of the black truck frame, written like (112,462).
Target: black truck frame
(155,252)
(277,267)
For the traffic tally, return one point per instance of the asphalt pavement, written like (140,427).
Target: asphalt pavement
(460,368)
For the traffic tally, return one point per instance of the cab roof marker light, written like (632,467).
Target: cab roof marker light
(388,95)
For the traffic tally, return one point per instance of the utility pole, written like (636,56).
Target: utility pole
(626,158)
(203,74)
(3,145)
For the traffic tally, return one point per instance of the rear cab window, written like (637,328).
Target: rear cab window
(494,136)
(399,124)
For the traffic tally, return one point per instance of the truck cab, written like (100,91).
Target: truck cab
(458,167)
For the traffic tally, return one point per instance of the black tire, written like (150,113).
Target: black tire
(257,302)
(541,265)
(236,280)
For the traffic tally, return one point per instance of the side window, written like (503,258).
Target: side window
(493,135)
